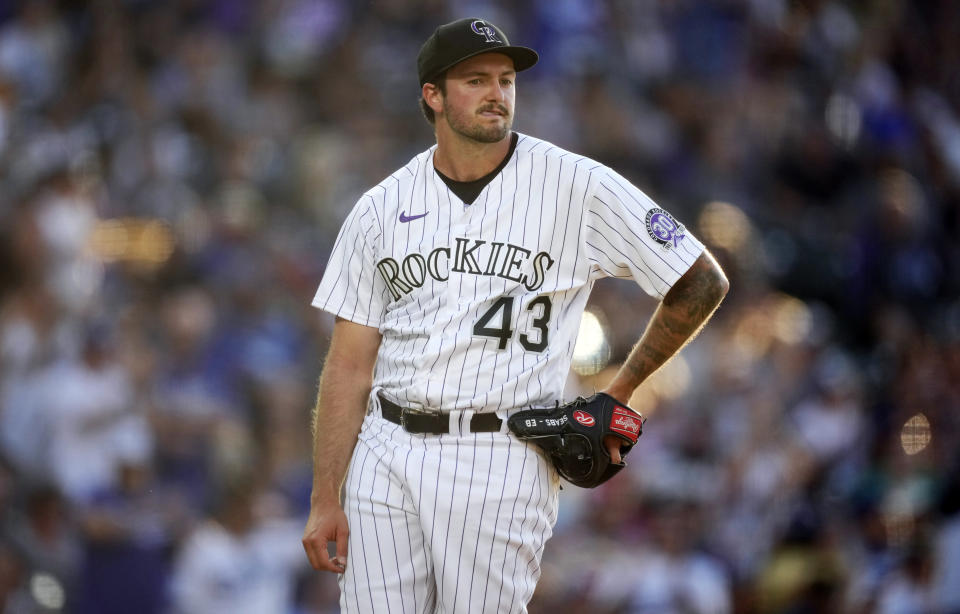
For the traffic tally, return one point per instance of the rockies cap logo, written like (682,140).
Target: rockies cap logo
(489,34)
(464,38)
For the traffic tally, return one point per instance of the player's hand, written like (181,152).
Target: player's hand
(326,523)
(613,447)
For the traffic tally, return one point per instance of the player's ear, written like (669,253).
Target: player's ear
(433,96)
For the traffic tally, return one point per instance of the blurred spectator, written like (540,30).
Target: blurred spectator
(830,421)
(45,538)
(670,575)
(804,573)
(193,394)
(908,590)
(238,561)
(946,547)
(33,51)
(89,412)
(130,531)
(47,551)
(14,594)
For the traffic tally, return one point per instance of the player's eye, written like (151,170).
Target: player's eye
(476,81)
(506,82)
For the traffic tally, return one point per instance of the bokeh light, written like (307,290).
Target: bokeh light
(792,319)
(592,352)
(780,318)
(724,225)
(843,118)
(752,337)
(145,242)
(915,435)
(47,591)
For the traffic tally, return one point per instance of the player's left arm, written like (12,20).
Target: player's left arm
(680,316)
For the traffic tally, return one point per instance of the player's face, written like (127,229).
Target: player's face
(480,97)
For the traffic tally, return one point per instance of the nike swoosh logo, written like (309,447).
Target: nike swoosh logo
(404,218)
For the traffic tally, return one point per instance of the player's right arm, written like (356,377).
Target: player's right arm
(345,385)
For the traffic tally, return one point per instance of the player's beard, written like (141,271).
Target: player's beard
(460,123)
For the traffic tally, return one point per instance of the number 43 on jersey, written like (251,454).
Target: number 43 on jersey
(532,340)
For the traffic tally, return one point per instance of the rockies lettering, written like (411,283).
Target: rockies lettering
(507,263)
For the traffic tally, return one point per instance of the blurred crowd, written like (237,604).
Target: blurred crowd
(173,174)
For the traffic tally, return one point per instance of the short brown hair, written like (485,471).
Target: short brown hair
(439,82)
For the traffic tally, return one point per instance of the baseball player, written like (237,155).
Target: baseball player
(458,283)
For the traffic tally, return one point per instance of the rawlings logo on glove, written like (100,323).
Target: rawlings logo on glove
(572,435)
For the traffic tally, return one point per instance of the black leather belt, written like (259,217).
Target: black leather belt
(434,423)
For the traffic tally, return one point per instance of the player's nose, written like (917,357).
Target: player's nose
(497,93)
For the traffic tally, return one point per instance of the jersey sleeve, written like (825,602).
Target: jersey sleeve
(350,287)
(627,235)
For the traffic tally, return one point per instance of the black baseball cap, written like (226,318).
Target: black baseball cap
(456,41)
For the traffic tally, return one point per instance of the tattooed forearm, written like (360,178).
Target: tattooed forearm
(639,366)
(699,291)
(677,320)
(652,353)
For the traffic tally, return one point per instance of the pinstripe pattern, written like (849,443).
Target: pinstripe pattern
(415,547)
(457,523)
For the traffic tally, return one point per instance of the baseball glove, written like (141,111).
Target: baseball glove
(572,435)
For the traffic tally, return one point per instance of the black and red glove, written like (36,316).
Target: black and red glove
(573,436)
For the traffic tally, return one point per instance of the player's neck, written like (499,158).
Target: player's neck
(463,159)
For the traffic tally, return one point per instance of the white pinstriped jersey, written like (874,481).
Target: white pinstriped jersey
(479,305)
